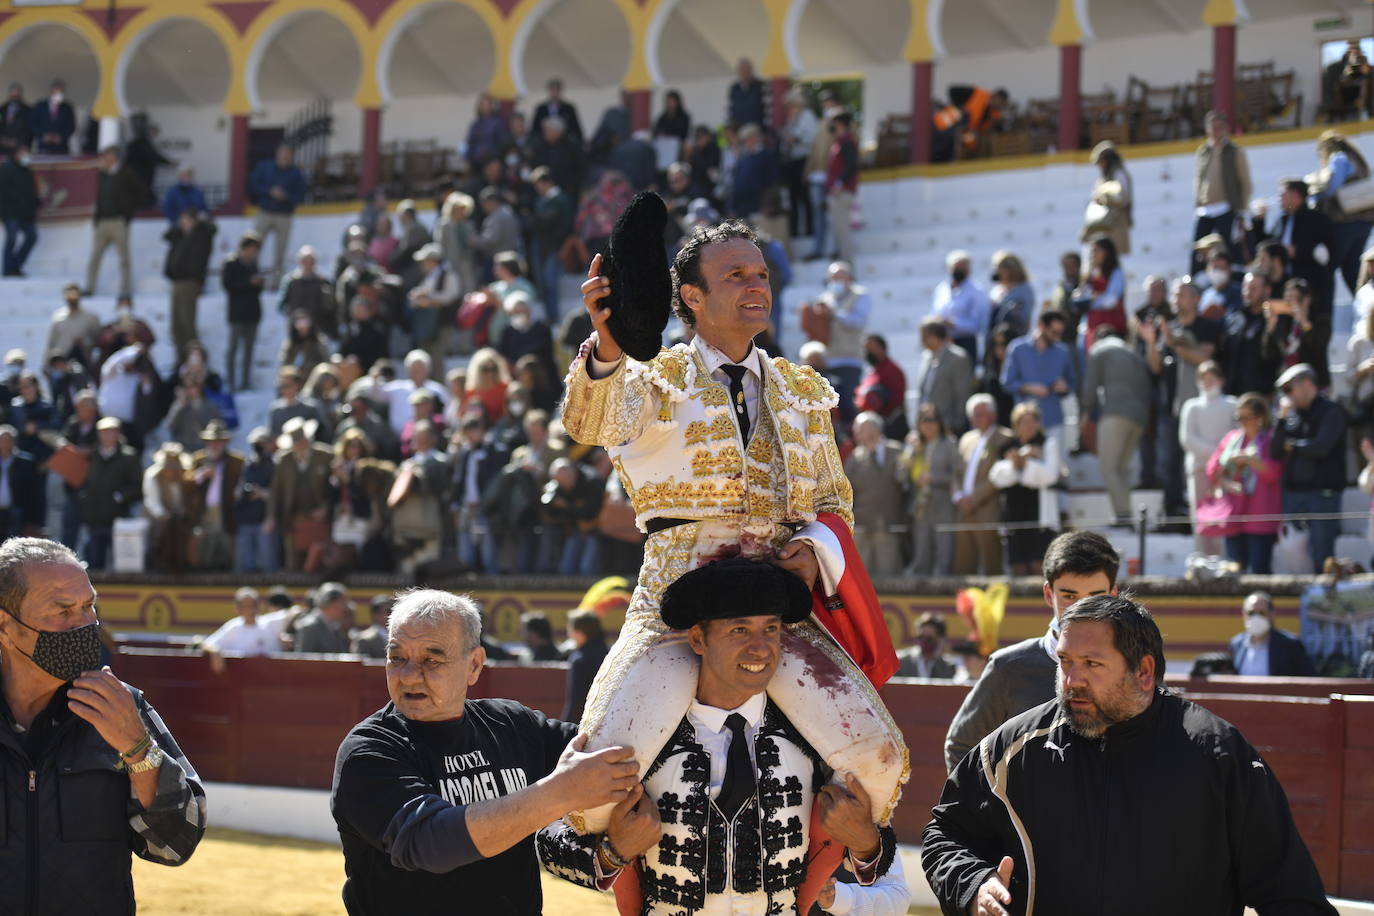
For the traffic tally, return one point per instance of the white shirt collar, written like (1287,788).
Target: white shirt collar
(713,718)
(714,359)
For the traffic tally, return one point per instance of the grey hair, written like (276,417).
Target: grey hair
(435,606)
(980,398)
(328,593)
(16,555)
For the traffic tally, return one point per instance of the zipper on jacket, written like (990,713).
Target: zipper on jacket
(31,891)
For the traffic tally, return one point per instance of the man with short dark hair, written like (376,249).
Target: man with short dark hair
(18,206)
(555,106)
(243,282)
(88,770)
(371,641)
(190,242)
(1117,380)
(1309,438)
(1309,239)
(1262,650)
(278,186)
(436,796)
(1073,806)
(118,194)
(883,388)
(54,121)
(926,658)
(114,482)
(1018,677)
(745,99)
(328,627)
(944,376)
(1039,368)
(537,633)
(584,661)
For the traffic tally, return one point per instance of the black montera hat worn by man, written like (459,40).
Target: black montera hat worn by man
(712,592)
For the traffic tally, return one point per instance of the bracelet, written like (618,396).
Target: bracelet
(138,748)
(606,849)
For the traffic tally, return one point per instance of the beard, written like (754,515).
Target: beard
(1122,701)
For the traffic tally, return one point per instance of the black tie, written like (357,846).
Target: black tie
(738,786)
(736,374)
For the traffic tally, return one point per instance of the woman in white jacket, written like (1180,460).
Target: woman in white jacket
(1026,477)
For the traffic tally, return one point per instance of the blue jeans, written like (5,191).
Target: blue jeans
(581,554)
(99,540)
(549,273)
(17,254)
(1321,541)
(818,218)
(1254,552)
(255,551)
(476,544)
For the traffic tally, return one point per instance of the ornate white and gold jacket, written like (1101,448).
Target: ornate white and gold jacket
(668,427)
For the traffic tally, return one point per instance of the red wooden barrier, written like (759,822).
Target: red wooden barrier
(279,721)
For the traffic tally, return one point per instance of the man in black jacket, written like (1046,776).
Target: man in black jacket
(1309,438)
(189,244)
(19,210)
(16,120)
(1075,807)
(437,797)
(1077,564)
(114,482)
(1309,239)
(118,194)
(20,490)
(1264,651)
(89,771)
(243,281)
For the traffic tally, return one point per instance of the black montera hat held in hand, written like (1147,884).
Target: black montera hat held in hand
(735,588)
(636,263)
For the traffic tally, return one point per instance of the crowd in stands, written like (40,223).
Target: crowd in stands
(378,456)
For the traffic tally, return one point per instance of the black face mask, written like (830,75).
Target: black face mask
(65,654)
(959,276)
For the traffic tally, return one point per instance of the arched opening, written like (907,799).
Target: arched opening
(50,51)
(178,73)
(850,36)
(433,66)
(585,43)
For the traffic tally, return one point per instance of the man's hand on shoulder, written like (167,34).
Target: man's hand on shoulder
(590,780)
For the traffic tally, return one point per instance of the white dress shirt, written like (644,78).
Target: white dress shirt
(237,635)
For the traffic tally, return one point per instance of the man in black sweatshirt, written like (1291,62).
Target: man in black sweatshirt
(243,281)
(1117,796)
(437,797)
(118,194)
(189,244)
(1309,438)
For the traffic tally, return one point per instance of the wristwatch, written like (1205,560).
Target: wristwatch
(151,760)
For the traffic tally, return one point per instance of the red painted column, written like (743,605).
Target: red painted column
(1070,103)
(238,164)
(778,88)
(1224,70)
(922,78)
(637,102)
(370,162)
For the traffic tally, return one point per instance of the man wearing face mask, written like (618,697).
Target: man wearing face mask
(18,209)
(847,306)
(54,121)
(962,304)
(1263,651)
(90,771)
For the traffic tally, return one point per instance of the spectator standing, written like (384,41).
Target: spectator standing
(1359,372)
(118,194)
(290,403)
(961,304)
(500,226)
(243,281)
(364,337)
(745,100)
(979,550)
(328,627)
(113,485)
(417,501)
(1241,472)
(20,488)
(298,499)
(411,237)
(1309,239)
(73,330)
(989,379)
(926,659)
(247,633)
(214,478)
(555,106)
(1078,564)
(1342,165)
(1024,473)
(1243,359)
(1110,204)
(1309,438)
(16,121)
(476,464)
(80,434)
(1222,295)
(944,376)
(1012,298)
(54,121)
(537,634)
(454,233)
(1103,294)
(190,414)
(572,500)
(167,506)
(842,184)
(398,392)
(1291,334)
(278,187)
(756,171)
(674,121)
(190,242)
(1118,382)
(798,136)
(883,388)
(878,475)
(18,209)
(1202,424)
(143,157)
(434,304)
(554,149)
(308,290)
(589,650)
(1040,370)
(552,223)
(81,821)
(184,195)
(371,641)
(255,549)
(1263,650)
(1221,186)
(845,307)
(488,135)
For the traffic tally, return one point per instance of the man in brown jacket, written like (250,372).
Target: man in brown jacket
(979,551)
(298,503)
(215,475)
